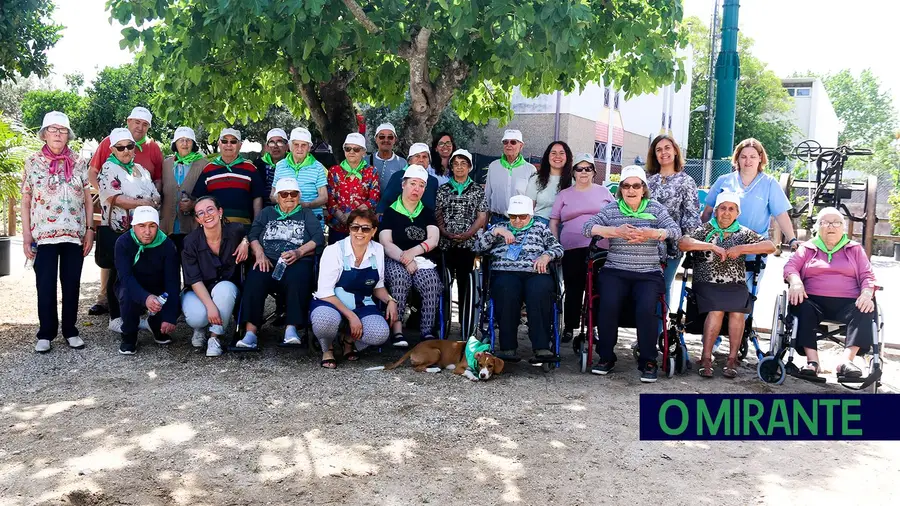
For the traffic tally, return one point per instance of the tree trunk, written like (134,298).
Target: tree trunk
(331,108)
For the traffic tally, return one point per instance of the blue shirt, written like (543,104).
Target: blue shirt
(760,200)
(309,179)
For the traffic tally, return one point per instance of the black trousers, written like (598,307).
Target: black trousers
(816,308)
(574,269)
(63,260)
(460,262)
(131,316)
(508,289)
(296,284)
(630,291)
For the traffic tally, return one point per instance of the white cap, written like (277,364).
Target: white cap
(634,171)
(144,214)
(55,118)
(520,204)
(464,153)
(356,139)
(287,184)
(584,157)
(419,147)
(513,135)
(276,132)
(386,126)
(416,171)
(301,134)
(729,197)
(119,134)
(230,131)
(184,131)
(141,113)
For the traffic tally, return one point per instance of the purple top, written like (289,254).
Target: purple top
(846,276)
(574,208)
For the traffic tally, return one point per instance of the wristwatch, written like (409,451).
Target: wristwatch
(792,241)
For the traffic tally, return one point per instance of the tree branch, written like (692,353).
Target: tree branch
(361,16)
(310,94)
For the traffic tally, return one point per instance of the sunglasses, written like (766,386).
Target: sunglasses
(361,228)
(289,194)
(353,149)
(386,137)
(274,144)
(510,141)
(232,141)
(519,216)
(635,186)
(127,147)
(582,168)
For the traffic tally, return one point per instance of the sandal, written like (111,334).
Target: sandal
(329,363)
(810,369)
(706,367)
(353,354)
(849,370)
(730,369)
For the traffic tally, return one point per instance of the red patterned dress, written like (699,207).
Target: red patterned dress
(347,192)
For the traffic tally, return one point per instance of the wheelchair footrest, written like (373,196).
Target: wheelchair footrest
(240,349)
(554,359)
(807,377)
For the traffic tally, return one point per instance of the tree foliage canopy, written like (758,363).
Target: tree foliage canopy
(26,34)
(37,103)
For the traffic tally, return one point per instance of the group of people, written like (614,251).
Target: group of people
(199,235)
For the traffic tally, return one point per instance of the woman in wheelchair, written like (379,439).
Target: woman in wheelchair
(719,280)
(830,278)
(284,239)
(351,279)
(409,235)
(520,250)
(636,227)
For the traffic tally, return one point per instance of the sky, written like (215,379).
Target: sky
(790,35)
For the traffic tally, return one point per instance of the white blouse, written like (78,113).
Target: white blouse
(331,266)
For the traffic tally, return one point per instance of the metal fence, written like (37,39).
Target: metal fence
(705,172)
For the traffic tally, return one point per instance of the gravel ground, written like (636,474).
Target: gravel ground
(170,426)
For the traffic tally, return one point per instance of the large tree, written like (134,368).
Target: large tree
(865,109)
(229,61)
(26,33)
(37,103)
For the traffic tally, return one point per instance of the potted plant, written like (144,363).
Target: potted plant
(16,143)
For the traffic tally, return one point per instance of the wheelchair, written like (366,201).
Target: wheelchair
(772,368)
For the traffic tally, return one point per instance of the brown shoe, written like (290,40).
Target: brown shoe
(706,367)
(730,369)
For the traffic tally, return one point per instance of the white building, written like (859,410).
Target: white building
(813,113)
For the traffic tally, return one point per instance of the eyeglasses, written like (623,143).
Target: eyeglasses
(361,228)
(386,137)
(832,224)
(582,168)
(444,144)
(289,194)
(57,130)
(512,142)
(127,147)
(464,164)
(201,214)
(635,186)
(519,216)
(353,149)
(276,144)
(232,141)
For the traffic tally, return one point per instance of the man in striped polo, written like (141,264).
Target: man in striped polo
(233,181)
(299,164)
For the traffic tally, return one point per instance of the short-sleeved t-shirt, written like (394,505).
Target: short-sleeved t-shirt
(407,233)
(709,268)
(309,179)
(235,189)
(573,208)
(149,156)
(760,200)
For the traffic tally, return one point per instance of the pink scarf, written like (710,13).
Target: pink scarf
(67,157)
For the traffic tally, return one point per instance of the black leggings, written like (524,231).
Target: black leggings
(575,278)
(816,308)
(460,262)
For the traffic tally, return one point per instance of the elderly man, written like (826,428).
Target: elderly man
(148,278)
(419,154)
(507,176)
(309,173)
(233,181)
(385,161)
(274,150)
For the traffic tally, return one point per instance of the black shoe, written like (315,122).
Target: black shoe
(649,372)
(98,309)
(567,336)
(128,346)
(162,339)
(398,341)
(603,367)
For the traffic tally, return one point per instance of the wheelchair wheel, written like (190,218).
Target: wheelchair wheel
(467,308)
(681,360)
(670,367)
(777,335)
(771,370)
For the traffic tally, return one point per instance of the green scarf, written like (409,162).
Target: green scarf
(625,209)
(283,216)
(510,166)
(139,145)
(819,243)
(191,157)
(309,160)
(267,159)
(400,208)
(355,172)
(129,167)
(219,161)
(473,347)
(160,237)
(716,229)
(460,187)
(517,230)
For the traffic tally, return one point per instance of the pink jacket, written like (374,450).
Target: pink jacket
(846,276)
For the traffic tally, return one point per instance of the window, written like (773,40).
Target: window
(616,155)
(616,106)
(599,150)
(802,92)
(605,97)
(791,91)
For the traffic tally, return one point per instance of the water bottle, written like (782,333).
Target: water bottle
(162,302)
(278,272)
(29,262)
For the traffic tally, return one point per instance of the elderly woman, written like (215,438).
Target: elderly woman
(409,234)
(56,213)
(124,186)
(211,274)
(632,276)
(351,185)
(720,247)
(521,249)
(461,212)
(553,176)
(830,278)
(351,279)
(284,239)
(573,207)
(179,174)
(419,154)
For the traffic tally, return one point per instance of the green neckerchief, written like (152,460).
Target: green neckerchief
(460,187)
(510,166)
(129,167)
(309,160)
(819,243)
(400,208)
(267,158)
(139,145)
(219,161)
(355,172)
(283,215)
(473,347)
(191,157)
(625,209)
(517,231)
(160,237)
(716,229)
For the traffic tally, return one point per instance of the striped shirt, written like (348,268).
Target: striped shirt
(309,179)
(235,189)
(641,257)
(536,241)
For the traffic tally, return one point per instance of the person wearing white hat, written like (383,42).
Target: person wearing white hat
(147,265)
(521,250)
(309,173)
(352,184)
(410,235)
(385,161)
(235,182)
(720,248)
(636,227)
(147,151)
(284,239)
(57,226)
(419,154)
(507,176)
(274,151)
(179,175)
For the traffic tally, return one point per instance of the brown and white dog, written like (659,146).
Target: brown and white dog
(435,355)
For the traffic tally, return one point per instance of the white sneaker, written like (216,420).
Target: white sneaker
(144,325)
(42,346)
(75,342)
(249,341)
(213,348)
(293,340)
(198,340)
(116,325)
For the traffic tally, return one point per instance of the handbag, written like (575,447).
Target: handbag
(105,251)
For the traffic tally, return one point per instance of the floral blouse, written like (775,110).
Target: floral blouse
(115,180)
(459,212)
(678,193)
(57,205)
(346,193)
(708,268)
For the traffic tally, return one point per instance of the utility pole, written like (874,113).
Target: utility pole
(728,70)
